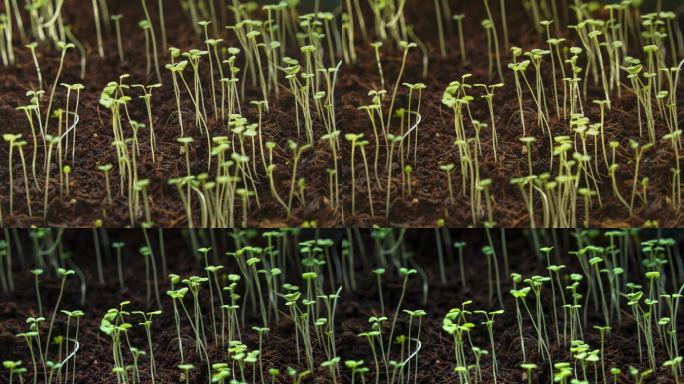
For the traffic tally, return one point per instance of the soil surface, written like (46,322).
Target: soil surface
(436,355)
(429,199)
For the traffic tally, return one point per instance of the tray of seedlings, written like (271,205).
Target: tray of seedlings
(530,113)
(341,306)
(330,113)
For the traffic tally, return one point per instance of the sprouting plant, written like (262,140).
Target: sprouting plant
(137,355)
(375,337)
(32,47)
(639,376)
(393,140)
(405,273)
(186,368)
(406,47)
(185,142)
(353,138)
(408,171)
(675,367)
(71,129)
(362,144)
(63,274)
(98,29)
(74,340)
(64,47)
(140,187)
(36,278)
(34,336)
(602,331)
(489,97)
(261,331)
(66,170)
(495,37)
(492,265)
(639,151)
(456,324)
(519,295)
(376,47)
(356,367)
(14,368)
(296,376)
(615,372)
(252,265)
(106,169)
(177,295)
(448,170)
(440,28)
(483,187)
(528,141)
(147,97)
(528,367)
(331,365)
(563,372)
(489,323)
(147,324)
(297,151)
(119,44)
(11,140)
(52,140)
(153,35)
(119,266)
(378,272)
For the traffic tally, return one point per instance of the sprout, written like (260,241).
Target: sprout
(64,47)
(529,367)
(154,40)
(13,367)
(186,368)
(448,169)
(32,47)
(405,46)
(11,139)
(491,25)
(63,274)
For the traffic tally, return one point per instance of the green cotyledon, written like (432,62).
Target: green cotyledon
(309,5)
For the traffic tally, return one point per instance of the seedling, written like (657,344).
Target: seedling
(528,367)
(448,170)
(36,273)
(32,47)
(106,169)
(64,47)
(63,274)
(154,40)
(492,25)
(459,22)
(186,368)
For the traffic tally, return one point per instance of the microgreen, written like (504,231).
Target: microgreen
(248,288)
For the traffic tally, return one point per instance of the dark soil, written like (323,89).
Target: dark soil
(429,201)
(436,359)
